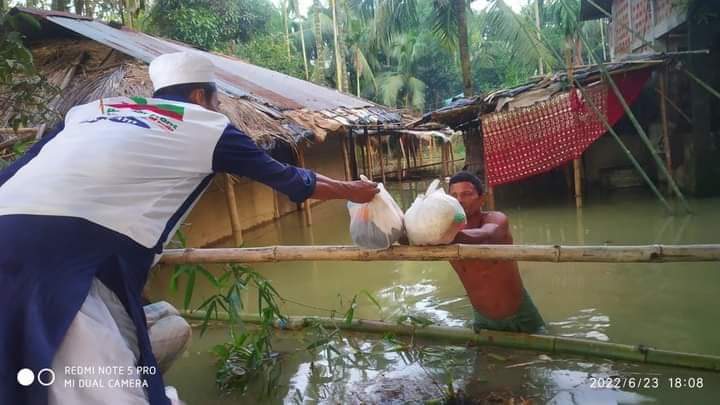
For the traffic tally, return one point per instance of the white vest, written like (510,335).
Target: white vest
(127,164)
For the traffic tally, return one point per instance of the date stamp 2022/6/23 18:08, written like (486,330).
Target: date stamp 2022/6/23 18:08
(645,382)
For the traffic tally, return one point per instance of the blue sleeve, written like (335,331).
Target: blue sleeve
(237,153)
(10,171)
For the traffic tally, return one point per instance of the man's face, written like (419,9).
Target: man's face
(468,197)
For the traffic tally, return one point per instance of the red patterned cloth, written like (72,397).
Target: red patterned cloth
(533,140)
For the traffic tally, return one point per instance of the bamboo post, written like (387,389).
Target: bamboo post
(444,160)
(306,204)
(421,149)
(276,205)
(231,200)
(529,253)
(380,158)
(464,336)
(490,199)
(346,160)
(451,159)
(368,146)
(353,153)
(664,121)
(577,172)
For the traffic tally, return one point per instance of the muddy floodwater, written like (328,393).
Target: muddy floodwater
(671,306)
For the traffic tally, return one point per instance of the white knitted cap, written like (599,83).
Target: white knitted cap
(180,68)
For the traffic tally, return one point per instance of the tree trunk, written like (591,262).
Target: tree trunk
(284,6)
(538,25)
(79,7)
(459,6)
(304,50)
(319,73)
(342,17)
(338,58)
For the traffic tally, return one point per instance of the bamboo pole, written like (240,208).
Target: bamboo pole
(464,336)
(380,158)
(231,200)
(577,172)
(531,253)
(346,160)
(353,154)
(424,166)
(368,147)
(306,205)
(664,121)
(491,198)
(676,108)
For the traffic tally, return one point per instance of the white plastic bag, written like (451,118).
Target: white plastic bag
(377,224)
(434,218)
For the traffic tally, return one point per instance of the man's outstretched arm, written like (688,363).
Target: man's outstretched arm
(497,230)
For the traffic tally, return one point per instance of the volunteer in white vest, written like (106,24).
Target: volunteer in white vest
(86,212)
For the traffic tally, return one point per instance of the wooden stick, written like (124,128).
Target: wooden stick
(532,253)
(577,172)
(233,210)
(306,205)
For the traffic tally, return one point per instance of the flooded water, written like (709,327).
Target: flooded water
(670,306)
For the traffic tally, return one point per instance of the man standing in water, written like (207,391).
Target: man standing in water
(495,288)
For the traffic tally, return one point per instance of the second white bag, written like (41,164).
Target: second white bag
(434,218)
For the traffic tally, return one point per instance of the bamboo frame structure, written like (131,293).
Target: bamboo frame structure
(231,200)
(531,253)
(464,336)
(381,159)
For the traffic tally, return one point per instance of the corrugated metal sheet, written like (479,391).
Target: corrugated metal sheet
(234,76)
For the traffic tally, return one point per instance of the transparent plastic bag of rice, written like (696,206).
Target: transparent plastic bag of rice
(377,224)
(434,218)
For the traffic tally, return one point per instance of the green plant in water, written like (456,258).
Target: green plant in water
(249,353)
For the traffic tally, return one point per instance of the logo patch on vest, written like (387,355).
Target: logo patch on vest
(164,116)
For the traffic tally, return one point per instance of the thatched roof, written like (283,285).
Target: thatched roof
(267,104)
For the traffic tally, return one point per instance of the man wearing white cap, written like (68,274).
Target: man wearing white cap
(84,215)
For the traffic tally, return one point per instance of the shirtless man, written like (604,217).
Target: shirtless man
(495,288)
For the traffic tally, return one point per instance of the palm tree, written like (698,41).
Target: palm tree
(294,8)
(399,86)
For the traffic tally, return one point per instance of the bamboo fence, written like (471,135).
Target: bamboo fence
(531,253)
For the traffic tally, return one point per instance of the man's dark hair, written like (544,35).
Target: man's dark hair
(183,90)
(470,178)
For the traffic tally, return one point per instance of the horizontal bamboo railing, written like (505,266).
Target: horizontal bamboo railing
(543,343)
(530,253)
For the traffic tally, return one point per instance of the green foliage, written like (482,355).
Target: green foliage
(269,51)
(210,24)
(22,90)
